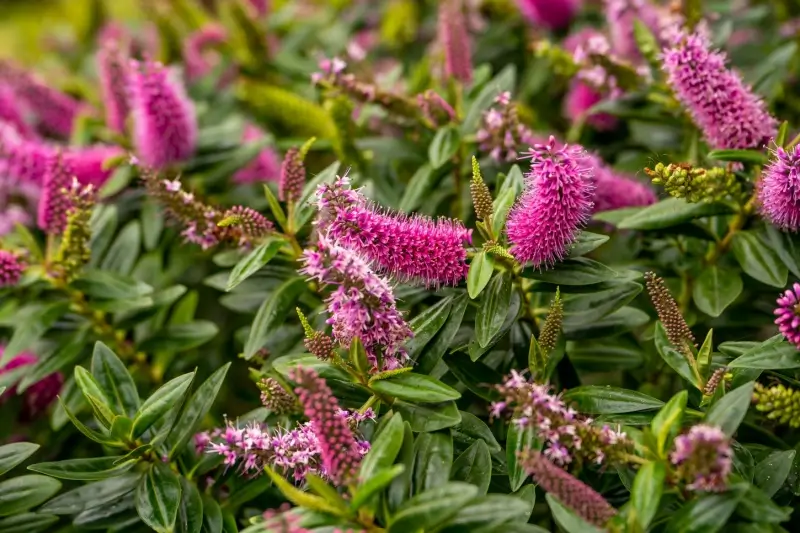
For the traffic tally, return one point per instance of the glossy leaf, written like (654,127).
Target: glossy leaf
(715,289)
(160,402)
(758,260)
(480,272)
(433,460)
(115,380)
(493,309)
(444,146)
(646,494)
(416,388)
(254,261)
(25,492)
(158,498)
(730,410)
(15,453)
(609,400)
(91,469)
(425,511)
(474,466)
(272,313)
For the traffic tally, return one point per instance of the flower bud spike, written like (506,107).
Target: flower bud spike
(548,337)
(481,197)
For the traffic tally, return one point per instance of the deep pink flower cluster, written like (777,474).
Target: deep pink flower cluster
(615,191)
(14,112)
(779,189)
(455,40)
(410,248)
(788,314)
(362,305)
(165,126)
(265,167)
(341,452)
(727,112)
(38,397)
(501,134)
(11,267)
(112,73)
(552,14)
(558,201)
(568,436)
(703,458)
(54,202)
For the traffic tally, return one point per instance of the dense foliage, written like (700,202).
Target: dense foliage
(403,266)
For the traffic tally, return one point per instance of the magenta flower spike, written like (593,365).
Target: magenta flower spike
(455,40)
(779,190)
(548,217)
(552,14)
(165,125)
(340,451)
(580,99)
(265,167)
(410,248)
(615,191)
(38,397)
(21,159)
(728,113)
(13,112)
(113,76)
(54,201)
(195,50)
(11,267)
(87,163)
(788,314)
(620,16)
(703,458)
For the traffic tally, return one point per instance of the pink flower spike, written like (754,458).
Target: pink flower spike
(779,190)
(549,215)
(112,73)
(87,163)
(54,201)
(22,159)
(621,15)
(615,191)
(552,14)
(165,126)
(11,268)
(727,112)
(13,111)
(703,458)
(37,397)
(455,40)
(338,446)
(788,315)
(197,48)
(265,167)
(579,100)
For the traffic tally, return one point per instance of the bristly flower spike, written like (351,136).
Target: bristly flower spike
(455,40)
(779,189)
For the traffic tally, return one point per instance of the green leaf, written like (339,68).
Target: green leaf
(195,410)
(757,506)
(299,497)
(24,492)
(375,483)
(708,513)
(425,511)
(773,354)
(758,260)
(474,375)
(429,417)
(604,399)
(772,471)
(65,356)
(756,157)
(491,513)
(101,405)
(400,488)
(518,439)
(30,328)
(212,515)
(124,251)
(275,208)
(161,401)
(419,186)
(254,261)
(181,337)
(587,242)
(578,271)
(493,309)
(104,221)
(28,523)
(92,495)
(426,324)
(501,207)
(115,381)
(91,434)
(434,350)
(589,307)
(715,289)
(433,460)
(305,206)
(415,388)
(671,212)
(648,485)
(667,422)
(567,519)
(444,146)
(676,360)
(158,498)
(105,285)
(321,487)
(190,512)
(474,466)
(117,182)
(504,81)
(13,454)
(152,221)
(471,429)
(480,272)
(729,411)
(272,314)
(91,469)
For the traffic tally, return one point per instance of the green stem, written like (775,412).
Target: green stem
(738,222)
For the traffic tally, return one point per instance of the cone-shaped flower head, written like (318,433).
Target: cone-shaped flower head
(410,248)
(569,490)
(788,314)
(481,197)
(37,397)
(11,267)
(716,379)
(727,112)
(552,14)
(275,398)
(558,202)
(703,458)
(779,189)
(455,40)
(165,126)
(779,403)
(54,201)
(265,167)
(341,453)
(112,71)
(13,111)
(293,172)
(362,305)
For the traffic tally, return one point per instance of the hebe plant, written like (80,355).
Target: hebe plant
(404,267)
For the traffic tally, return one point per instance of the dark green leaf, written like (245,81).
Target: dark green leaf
(433,460)
(674,358)
(491,513)
(253,261)
(24,492)
(190,512)
(476,376)
(597,399)
(272,313)
(587,242)
(444,146)
(480,272)
(212,516)
(589,307)
(758,507)
(92,495)
(474,466)
(105,285)
(158,498)
(667,422)
(756,157)
(578,271)
(13,454)
(772,354)
(518,439)
(729,411)
(115,381)
(28,523)
(758,260)
(429,417)
(425,511)
(706,514)
(493,310)
(152,224)
(94,394)
(426,324)
(419,186)
(671,212)
(646,494)
(90,469)
(440,344)
(772,471)
(415,388)
(161,401)
(716,288)
(181,337)
(567,519)
(476,350)
(471,429)
(103,225)
(125,250)
(374,484)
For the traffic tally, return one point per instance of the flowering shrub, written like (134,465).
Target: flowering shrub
(404,267)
